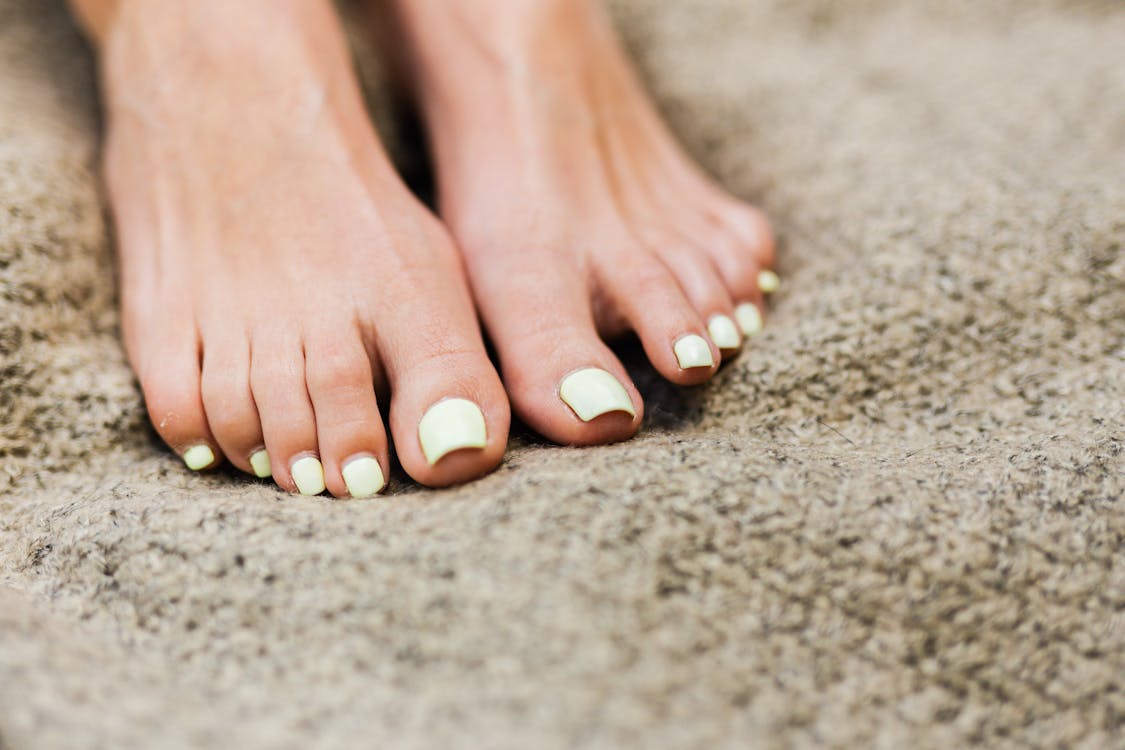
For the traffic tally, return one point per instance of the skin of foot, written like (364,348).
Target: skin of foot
(578,215)
(275,274)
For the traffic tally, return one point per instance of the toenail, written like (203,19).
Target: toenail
(451,425)
(199,457)
(693,351)
(260,463)
(363,476)
(308,474)
(724,332)
(768,281)
(593,392)
(749,318)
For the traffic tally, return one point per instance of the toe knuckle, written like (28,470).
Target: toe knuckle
(165,390)
(170,399)
(337,367)
(268,371)
(651,281)
(220,382)
(453,356)
(226,420)
(755,231)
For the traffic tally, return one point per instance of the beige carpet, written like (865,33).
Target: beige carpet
(896,522)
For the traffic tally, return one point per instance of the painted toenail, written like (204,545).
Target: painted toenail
(593,392)
(260,463)
(749,318)
(199,457)
(451,425)
(724,332)
(363,476)
(768,281)
(693,351)
(308,474)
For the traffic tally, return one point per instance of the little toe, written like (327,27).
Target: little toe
(170,381)
(277,381)
(350,434)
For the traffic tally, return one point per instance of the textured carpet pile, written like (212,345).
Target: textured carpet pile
(896,521)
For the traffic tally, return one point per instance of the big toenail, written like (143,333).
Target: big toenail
(451,425)
(593,392)
(693,351)
(308,474)
(363,477)
(199,457)
(724,332)
(768,281)
(260,463)
(749,318)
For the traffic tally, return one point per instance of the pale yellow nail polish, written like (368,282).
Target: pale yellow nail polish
(693,351)
(308,474)
(260,463)
(724,332)
(749,319)
(363,477)
(768,281)
(592,392)
(199,457)
(451,425)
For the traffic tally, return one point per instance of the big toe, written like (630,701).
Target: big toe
(562,378)
(449,414)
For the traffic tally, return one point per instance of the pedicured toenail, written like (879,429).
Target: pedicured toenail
(199,457)
(724,332)
(363,477)
(749,319)
(308,474)
(768,281)
(451,425)
(593,392)
(260,463)
(693,351)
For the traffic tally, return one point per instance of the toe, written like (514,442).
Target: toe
(229,404)
(350,434)
(740,273)
(707,292)
(671,330)
(277,381)
(752,232)
(725,334)
(743,254)
(449,415)
(562,378)
(170,381)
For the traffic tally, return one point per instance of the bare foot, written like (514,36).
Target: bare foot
(578,215)
(274,271)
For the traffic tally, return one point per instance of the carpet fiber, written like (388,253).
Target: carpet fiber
(896,521)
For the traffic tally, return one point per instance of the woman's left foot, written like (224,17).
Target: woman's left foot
(578,215)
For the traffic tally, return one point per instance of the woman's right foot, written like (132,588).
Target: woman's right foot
(273,267)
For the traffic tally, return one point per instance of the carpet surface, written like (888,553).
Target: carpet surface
(896,521)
